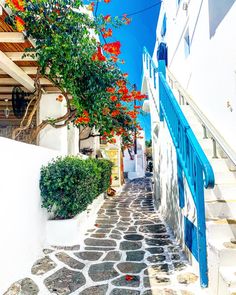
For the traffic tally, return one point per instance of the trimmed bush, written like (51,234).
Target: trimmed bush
(68,185)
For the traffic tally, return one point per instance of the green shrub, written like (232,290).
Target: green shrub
(105,168)
(69,184)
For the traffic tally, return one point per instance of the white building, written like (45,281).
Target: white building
(135,164)
(201,54)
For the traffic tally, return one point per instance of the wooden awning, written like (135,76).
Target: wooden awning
(16,70)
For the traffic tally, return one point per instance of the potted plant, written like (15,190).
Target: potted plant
(72,191)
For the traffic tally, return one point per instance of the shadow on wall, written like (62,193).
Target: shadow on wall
(217,12)
(173,214)
(166,187)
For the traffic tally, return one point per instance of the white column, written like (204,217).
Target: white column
(50,137)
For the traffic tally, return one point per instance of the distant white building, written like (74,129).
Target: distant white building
(135,165)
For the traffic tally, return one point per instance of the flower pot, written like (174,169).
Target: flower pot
(69,232)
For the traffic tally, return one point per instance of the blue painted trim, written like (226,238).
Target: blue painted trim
(190,237)
(180,185)
(191,161)
(150,68)
(154,78)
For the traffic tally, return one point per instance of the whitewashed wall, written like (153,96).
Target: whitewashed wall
(22,220)
(129,165)
(166,192)
(140,163)
(209,71)
(63,140)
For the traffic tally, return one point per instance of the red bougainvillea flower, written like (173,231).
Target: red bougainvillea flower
(112,140)
(112,48)
(82,120)
(107,1)
(107,33)
(98,56)
(110,90)
(132,114)
(121,83)
(139,127)
(125,75)
(86,114)
(129,278)
(126,20)
(113,98)
(126,97)
(118,105)
(17,4)
(107,18)
(137,107)
(138,95)
(20,24)
(123,90)
(90,7)
(115,113)
(114,58)
(59,98)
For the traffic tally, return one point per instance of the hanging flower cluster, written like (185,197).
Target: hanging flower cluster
(98,56)
(76,63)
(16,4)
(84,119)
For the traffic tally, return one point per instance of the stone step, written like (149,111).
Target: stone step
(227,280)
(221,229)
(221,209)
(223,191)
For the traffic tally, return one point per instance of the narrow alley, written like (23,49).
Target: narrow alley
(129,250)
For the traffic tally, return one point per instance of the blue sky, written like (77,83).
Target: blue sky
(141,32)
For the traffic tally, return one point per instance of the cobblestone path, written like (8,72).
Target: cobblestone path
(129,251)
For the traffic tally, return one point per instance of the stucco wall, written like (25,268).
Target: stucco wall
(22,220)
(209,71)
(64,140)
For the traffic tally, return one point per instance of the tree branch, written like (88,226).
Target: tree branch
(37,97)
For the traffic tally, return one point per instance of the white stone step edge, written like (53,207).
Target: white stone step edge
(228,275)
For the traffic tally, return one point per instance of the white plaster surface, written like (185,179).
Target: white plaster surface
(208,72)
(71,232)
(22,220)
(50,137)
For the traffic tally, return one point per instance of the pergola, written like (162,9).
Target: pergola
(15,70)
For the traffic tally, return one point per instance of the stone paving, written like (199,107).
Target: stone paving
(129,251)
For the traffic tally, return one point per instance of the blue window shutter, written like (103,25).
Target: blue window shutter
(163,29)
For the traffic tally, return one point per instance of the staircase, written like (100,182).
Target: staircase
(220,202)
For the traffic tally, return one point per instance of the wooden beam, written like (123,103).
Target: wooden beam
(52,90)
(30,70)
(27,70)
(5,96)
(12,37)
(11,81)
(16,72)
(8,90)
(18,56)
